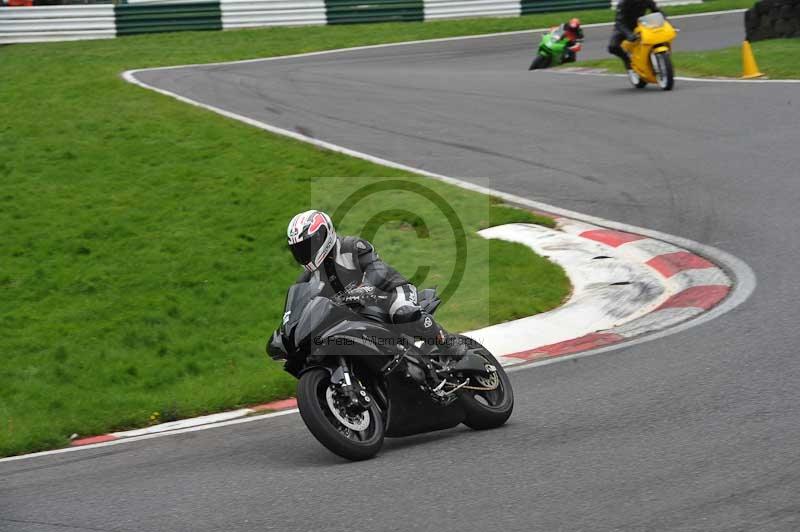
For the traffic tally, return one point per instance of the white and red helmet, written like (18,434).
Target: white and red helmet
(311,238)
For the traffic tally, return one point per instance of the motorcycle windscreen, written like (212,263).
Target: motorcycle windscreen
(313,316)
(298,296)
(653,20)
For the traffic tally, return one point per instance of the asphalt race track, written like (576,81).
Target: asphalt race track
(698,431)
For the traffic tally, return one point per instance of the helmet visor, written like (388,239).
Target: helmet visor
(305,250)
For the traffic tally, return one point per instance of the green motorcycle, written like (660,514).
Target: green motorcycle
(554,50)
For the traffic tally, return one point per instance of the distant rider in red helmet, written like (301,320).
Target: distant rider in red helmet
(574,35)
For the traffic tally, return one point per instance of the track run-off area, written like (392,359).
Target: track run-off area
(692,431)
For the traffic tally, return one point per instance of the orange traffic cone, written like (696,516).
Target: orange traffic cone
(749,66)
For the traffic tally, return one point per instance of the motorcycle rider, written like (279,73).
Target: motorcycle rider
(628,13)
(353,273)
(574,34)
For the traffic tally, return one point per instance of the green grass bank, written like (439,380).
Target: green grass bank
(143,261)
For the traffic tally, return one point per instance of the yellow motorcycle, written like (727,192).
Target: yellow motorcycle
(650,53)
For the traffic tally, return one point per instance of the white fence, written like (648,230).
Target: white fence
(56,23)
(255,13)
(439,9)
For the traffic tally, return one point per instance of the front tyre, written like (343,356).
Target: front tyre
(356,436)
(489,399)
(665,74)
(540,61)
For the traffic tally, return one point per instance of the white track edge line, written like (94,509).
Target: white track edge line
(744,279)
(150,436)
(407,43)
(736,266)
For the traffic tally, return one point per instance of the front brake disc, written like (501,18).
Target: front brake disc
(357,422)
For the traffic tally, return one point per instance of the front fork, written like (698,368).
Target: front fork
(654,57)
(358,399)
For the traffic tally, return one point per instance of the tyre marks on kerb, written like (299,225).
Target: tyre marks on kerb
(691,285)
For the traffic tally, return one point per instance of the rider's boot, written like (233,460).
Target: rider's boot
(437,341)
(627,60)
(447,344)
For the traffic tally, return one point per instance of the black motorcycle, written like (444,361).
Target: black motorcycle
(361,379)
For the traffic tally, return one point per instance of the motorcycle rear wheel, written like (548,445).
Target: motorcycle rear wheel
(540,61)
(487,409)
(326,426)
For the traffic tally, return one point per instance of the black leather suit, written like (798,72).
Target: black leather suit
(353,263)
(628,13)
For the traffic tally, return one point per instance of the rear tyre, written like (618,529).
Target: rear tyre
(540,61)
(665,74)
(487,409)
(327,424)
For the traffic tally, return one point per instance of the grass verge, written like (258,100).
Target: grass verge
(777,58)
(143,261)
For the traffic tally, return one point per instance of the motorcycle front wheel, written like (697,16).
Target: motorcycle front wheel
(540,61)
(489,400)
(665,75)
(352,436)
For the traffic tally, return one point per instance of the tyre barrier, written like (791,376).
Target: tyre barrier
(772,19)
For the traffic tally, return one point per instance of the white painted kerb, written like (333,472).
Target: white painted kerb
(599,300)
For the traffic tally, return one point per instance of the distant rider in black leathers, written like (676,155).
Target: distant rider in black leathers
(628,13)
(351,271)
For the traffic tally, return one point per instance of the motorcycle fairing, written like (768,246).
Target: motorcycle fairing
(359,336)
(411,410)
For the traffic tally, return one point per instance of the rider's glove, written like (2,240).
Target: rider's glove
(633,37)
(359,295)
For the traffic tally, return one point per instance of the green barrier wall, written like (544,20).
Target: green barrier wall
(148,18)
(355,11)
(548,6)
